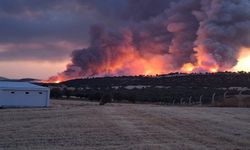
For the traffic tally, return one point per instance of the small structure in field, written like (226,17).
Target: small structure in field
(23,94)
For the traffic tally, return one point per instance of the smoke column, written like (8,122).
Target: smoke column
(154,37)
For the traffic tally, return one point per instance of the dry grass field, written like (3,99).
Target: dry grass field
(85,125)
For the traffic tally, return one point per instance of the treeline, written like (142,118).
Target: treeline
(171,95)
(220,79)
(172,88)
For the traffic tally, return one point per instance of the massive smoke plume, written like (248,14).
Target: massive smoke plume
(160,36)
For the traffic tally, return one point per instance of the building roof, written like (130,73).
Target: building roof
(20,85)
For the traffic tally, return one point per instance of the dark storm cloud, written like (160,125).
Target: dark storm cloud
(57,27)
(47,51)
(20,6)
(27,22)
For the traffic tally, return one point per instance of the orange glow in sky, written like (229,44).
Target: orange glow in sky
(32,69)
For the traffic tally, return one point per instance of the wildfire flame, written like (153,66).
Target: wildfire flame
(58,81)
(205,63)
(188,68)
(55,79)
(243,60)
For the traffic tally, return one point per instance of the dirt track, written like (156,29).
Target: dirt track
(82,125)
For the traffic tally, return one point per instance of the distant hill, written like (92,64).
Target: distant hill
(3,78)
(20,80)
(28,80)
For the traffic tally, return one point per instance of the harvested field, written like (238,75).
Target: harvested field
(85,125)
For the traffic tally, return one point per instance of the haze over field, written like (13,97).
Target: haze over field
(81,38)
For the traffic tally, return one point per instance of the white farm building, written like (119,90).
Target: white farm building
(23,94)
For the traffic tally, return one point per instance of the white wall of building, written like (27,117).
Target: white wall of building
(23,94)
(24,98)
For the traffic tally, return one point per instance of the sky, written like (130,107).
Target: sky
(37,37)
(40,38)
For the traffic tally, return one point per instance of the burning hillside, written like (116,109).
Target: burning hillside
(167,36)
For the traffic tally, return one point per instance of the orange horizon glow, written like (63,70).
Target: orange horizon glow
(31,69)
(151,65)
(130,62)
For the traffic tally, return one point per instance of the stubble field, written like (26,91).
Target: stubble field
(86,125)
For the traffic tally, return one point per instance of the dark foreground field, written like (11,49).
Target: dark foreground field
(83,125)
